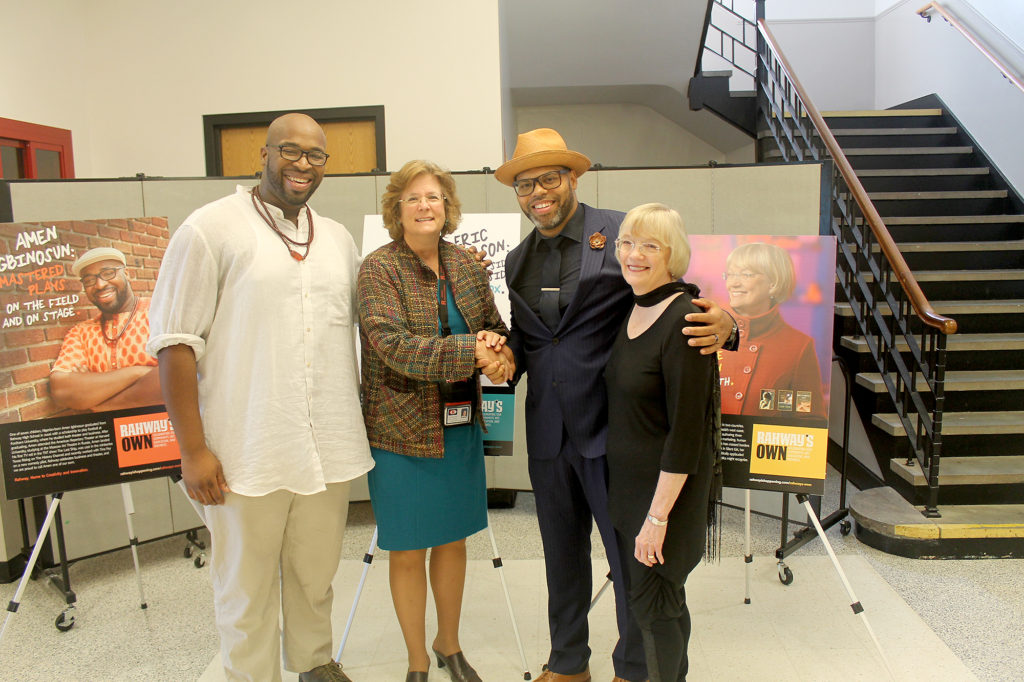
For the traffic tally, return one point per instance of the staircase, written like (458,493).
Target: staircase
(931,243)
(960,228)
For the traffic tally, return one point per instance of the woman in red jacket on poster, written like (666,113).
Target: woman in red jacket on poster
(775,369)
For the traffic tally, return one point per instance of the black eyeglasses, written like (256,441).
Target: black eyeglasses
(292,153)
(106,274)
(550,180)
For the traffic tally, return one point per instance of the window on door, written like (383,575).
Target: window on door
(355,140)
(28,150)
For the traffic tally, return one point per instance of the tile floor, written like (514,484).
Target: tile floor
(940,620)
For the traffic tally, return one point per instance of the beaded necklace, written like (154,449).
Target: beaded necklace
(264,212)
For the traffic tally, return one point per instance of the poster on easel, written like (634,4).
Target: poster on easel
(82,401)
(775,386)
(495,234)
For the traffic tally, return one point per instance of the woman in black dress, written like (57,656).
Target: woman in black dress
(662,416)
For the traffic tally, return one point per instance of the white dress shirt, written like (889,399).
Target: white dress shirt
(275,343)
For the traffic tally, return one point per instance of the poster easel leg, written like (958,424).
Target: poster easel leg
(192,540)
(367,560)
(600,592)
(858,609)
(15,602)
(133,540)
(496,560)
(748,558)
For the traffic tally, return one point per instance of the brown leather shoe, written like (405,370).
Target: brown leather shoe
(328,672)
(550,676)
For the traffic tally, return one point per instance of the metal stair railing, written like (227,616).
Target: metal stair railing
(870,269)
(1004,68)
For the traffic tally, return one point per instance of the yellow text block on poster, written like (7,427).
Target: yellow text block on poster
(790,451)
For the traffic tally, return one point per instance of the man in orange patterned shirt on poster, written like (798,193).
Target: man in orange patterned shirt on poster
(103,364)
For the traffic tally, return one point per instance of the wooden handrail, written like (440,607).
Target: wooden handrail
(917,298)
(955,23)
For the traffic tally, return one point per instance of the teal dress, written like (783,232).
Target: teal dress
(422,502)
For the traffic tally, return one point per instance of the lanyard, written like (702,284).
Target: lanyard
(442,302)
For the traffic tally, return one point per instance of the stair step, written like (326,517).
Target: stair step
(961,424)
(954,343)
(982,470)
(920,247)
(881,113)
(885,513)
(961,275)
(901,132)
(906,151)
(904,172)
(967,380)
(953,308)
(952,219)
(931,196)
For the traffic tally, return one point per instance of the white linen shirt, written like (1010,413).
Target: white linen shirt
(275,344)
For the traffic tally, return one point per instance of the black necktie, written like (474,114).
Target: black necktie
(551,282)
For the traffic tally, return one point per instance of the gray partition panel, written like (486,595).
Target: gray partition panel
(762,199)
(35,201)
(175,199)
(94,519)
(347,199)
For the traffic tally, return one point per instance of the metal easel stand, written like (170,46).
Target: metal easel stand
(133,540)
(858,609)
(495,560)
(193,545)
(748,558)
(66,620)
(805,535)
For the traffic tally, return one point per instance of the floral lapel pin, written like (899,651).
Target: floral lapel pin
(597,241)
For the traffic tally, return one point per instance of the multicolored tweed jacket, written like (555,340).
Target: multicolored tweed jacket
(403,354)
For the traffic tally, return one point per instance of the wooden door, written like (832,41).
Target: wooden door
(352,146)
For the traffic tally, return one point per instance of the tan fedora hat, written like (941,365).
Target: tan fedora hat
(537,148)
(96,255)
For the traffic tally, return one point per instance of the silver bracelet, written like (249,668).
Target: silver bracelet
(656,521)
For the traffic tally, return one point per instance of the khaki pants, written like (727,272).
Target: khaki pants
(273,560)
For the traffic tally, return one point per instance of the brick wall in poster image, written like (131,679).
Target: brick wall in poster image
(35,266)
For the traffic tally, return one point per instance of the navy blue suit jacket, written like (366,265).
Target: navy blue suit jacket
(566,367)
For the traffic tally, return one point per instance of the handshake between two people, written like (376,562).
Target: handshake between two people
(494,358)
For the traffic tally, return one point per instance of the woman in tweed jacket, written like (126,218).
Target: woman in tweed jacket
(427,319)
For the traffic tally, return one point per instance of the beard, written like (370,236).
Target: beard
(116,305)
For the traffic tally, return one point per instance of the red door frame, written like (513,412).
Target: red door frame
(31,136)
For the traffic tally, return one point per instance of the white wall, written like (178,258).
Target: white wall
(820,49)
(620,135)
(819,9)
(897,56)
(915,58)
(132,80)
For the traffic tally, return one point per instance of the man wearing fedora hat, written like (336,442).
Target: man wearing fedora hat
(568,302)
(103,364)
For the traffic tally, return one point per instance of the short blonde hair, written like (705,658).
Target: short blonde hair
(391,206)
(658,221)
(769,260)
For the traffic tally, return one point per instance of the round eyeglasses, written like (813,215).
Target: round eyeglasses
(644,248)
(415,200)
(742,276)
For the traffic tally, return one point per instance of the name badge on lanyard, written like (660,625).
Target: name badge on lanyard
(458,398)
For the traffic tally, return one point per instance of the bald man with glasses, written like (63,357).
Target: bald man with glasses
(253,323)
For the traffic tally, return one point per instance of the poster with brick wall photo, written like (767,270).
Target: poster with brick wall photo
(81,398)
